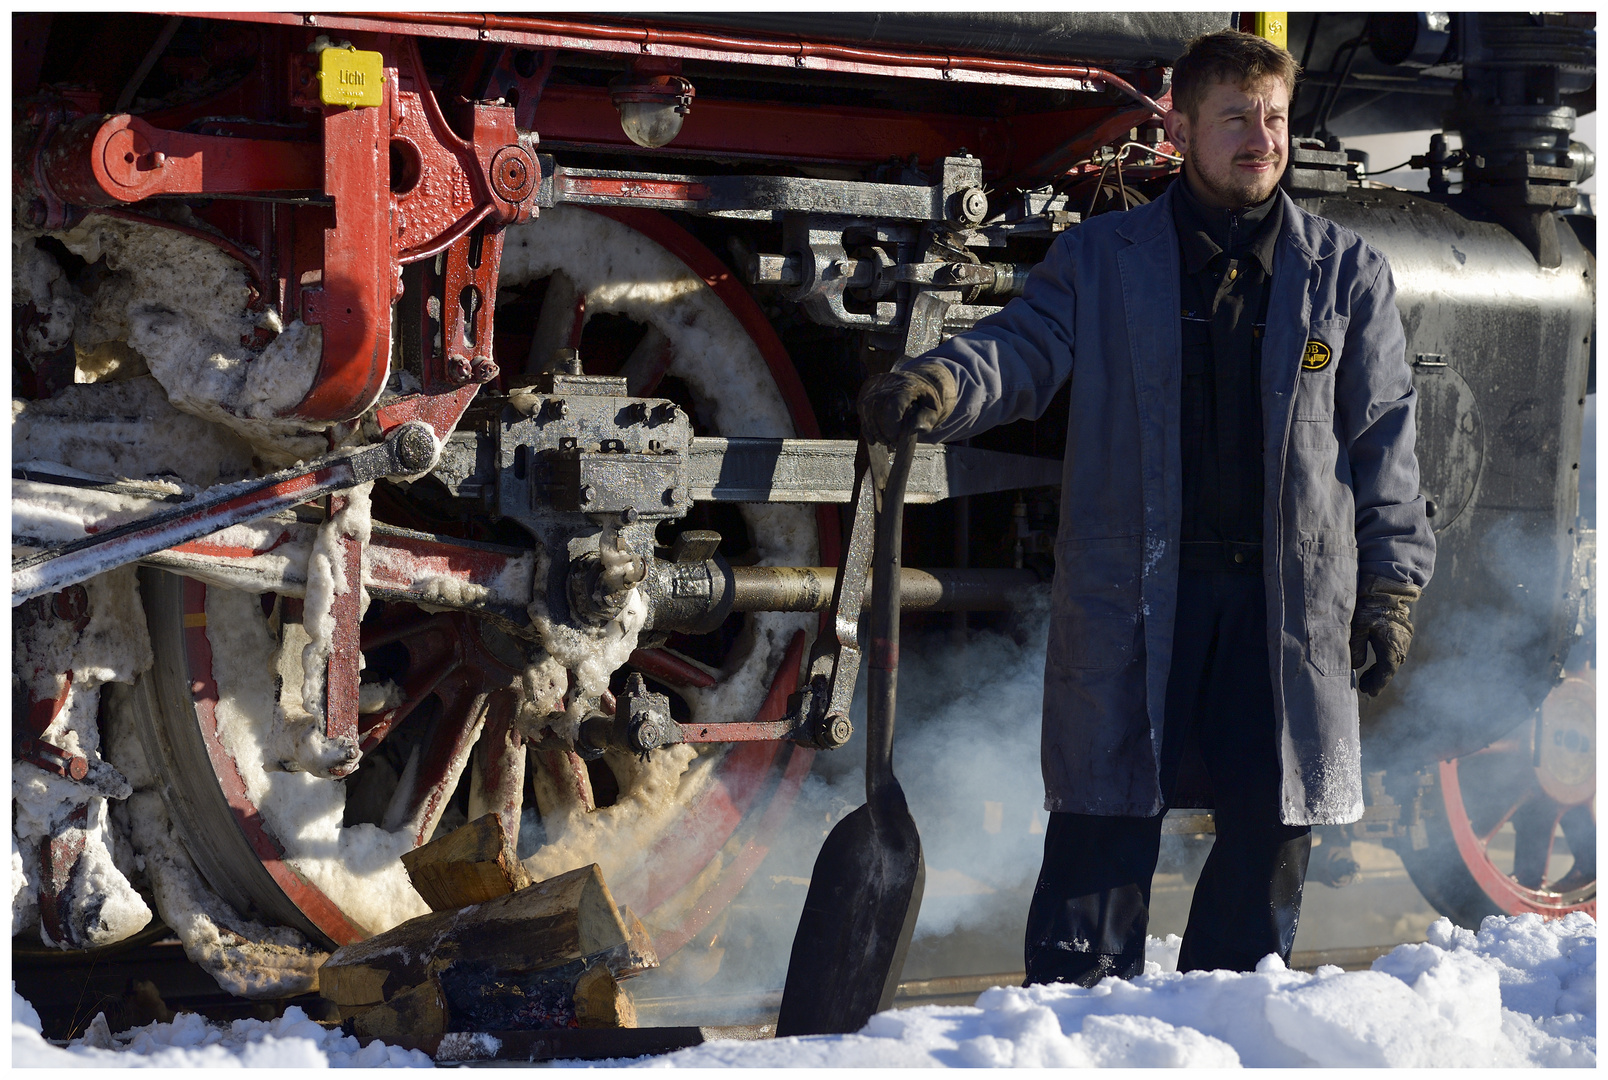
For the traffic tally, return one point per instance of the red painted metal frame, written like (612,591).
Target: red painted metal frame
(352,301)
(456,185)
(102,162)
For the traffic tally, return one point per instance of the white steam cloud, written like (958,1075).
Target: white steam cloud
(966,752)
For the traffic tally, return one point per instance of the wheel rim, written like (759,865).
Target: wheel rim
(740,800)
(1510,805)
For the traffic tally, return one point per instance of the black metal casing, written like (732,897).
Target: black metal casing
(1500,350)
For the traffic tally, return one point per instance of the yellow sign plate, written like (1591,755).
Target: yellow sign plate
(1275,26)
(351,77)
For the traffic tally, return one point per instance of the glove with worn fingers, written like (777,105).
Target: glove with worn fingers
(923,394)
(1383,619)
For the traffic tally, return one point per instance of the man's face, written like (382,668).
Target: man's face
(1236,147)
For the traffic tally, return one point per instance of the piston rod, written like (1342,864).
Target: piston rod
(809,588)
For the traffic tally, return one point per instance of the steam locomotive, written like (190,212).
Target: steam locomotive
(423,416)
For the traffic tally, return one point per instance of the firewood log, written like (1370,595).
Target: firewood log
(469,865)
(414,1019)
(550,924)
(600,1002)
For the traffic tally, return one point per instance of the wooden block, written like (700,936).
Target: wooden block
(568,918)
(469,865)
(637,954)
(415,1018)
(355,986)
(344,1013)
(600,1002)
(482,998)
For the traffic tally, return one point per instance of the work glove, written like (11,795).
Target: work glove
(1382,619)
(920,396)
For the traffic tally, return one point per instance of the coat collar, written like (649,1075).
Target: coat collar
(1308,233)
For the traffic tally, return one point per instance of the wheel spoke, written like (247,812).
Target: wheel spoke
(1489,835)
(562,782)
(648,364)
(497,777)
(1534,826)
(1579,826)
(667,667)
(418,688)
(563,307)
(446,752)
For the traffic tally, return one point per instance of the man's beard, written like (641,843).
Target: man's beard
(1234,188)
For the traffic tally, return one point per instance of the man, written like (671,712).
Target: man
(1240,520)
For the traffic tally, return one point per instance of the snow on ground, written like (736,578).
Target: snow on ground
(189,1041)
(1520,992)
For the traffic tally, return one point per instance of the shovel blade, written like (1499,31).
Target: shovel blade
(854,932)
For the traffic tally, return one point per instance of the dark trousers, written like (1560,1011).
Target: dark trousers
(1091,908)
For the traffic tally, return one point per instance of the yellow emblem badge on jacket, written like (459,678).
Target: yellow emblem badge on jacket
(1316,357)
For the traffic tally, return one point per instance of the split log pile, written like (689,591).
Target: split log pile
(496,953)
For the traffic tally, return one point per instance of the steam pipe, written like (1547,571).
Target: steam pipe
(780,51)
(809,588)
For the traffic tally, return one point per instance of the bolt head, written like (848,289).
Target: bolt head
(513,174)
(587,494)
(484,369)
(648,735)
(415,447)
(974,204)
(459,369)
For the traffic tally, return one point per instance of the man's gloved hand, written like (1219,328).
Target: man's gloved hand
(922,394)
(1383,618)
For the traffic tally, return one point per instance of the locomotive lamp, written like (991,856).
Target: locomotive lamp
(651,106)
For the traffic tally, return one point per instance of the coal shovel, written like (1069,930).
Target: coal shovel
(866,888)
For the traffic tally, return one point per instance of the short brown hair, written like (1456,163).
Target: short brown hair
(1229,56)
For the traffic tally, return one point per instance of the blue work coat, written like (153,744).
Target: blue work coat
(1341,484)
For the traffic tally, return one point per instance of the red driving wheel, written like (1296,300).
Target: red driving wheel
(457,680)
(1512,828)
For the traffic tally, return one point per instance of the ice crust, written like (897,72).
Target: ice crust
(181,304)
(126,429)
(359,866)
(100,903)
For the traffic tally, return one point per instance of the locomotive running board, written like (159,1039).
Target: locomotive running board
(822,471)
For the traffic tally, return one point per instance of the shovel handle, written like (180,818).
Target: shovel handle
(883,648)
